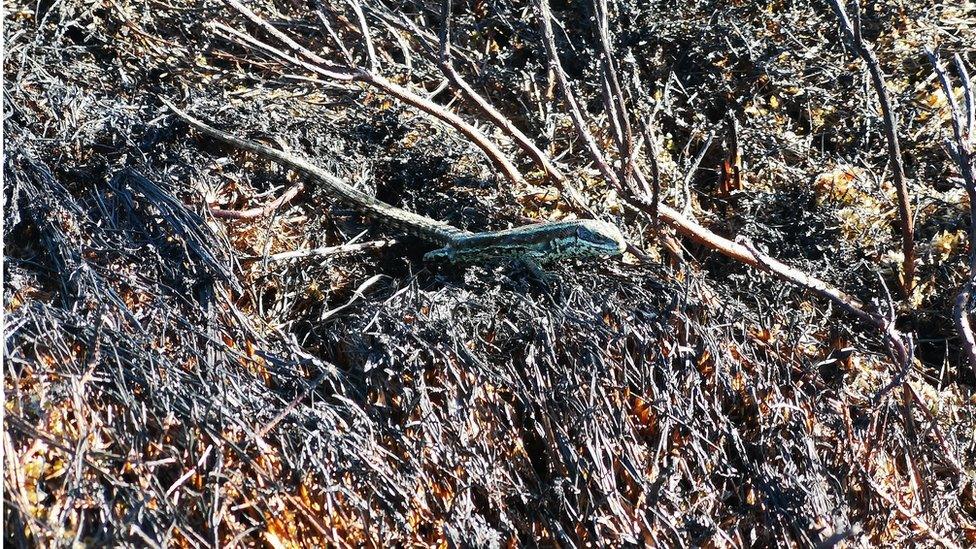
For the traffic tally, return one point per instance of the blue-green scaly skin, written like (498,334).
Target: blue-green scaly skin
(544,242)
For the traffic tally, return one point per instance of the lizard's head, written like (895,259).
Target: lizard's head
(600,237)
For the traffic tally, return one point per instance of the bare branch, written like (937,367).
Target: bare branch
(325,68)
(613,94)
(374,65)
(899,345)
(955,114)
(541,159)
(743,252)
(853,33)
(482,141)
(969,95)
(402,42)
(552,55)
(261,211)
(962,150)
(287,40)
(692,169)
(652,153)
(333,250)
(346,54)
(846,302)
(234,35)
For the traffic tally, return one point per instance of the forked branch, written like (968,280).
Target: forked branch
(303,57)
(541,159)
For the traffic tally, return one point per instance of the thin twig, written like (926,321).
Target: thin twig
(501,121)
(234,35)
(844,301)
(962,151)
(320,12)
(373,64)
(969,95)
(692,170)
(284,38)
(614,94)
(853,33)
(652,153)
(324,67)
(552,56)
(260,211)
(333,250)
(917,521)
(487,146)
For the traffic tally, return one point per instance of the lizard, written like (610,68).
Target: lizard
(539,242)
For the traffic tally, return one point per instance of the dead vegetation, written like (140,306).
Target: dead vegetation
(202,350)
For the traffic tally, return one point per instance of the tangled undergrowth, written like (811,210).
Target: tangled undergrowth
(172,379)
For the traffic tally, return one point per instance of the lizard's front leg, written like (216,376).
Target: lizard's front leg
(441,255)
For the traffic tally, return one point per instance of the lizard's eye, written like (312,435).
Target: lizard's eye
(604,236)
